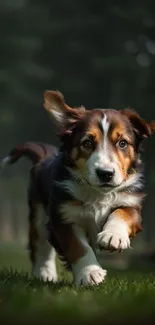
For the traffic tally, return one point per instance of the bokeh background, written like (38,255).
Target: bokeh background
(97,53)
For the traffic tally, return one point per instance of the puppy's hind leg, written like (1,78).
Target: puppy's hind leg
(42,254)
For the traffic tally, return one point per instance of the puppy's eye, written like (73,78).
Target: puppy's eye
(87,144)
(123,144)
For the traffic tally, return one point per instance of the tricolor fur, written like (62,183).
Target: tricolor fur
(87,194)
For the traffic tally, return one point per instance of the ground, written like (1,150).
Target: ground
(124,297)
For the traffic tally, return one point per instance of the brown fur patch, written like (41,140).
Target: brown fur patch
(80,163)
(125,160)
(95,132)
(132,217)
(80,155)
(74,153)
(119,132)
(125,157)
(71,246)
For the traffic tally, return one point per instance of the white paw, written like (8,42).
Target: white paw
(90,275)
(112,241)
(46,273)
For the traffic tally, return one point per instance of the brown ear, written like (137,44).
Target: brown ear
(55,104)
(140,126)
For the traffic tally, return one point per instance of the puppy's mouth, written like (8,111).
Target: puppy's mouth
(82,179)
(106,185)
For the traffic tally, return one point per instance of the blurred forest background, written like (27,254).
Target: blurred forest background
(97,53)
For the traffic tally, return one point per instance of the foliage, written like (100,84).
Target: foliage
(98,53)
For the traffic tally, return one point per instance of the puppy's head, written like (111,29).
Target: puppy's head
(102,146)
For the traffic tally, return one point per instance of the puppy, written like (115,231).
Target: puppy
(88,193)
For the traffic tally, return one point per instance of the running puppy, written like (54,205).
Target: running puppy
(88,193)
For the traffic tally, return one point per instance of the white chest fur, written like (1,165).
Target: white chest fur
(95,205)
(86,212)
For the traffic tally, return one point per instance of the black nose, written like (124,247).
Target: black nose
(105,175)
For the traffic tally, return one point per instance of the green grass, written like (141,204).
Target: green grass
(124,297)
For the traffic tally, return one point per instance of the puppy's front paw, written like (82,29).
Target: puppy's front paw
(90,275)
(112,241)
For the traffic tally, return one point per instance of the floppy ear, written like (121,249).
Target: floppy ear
(61,113)
(142,128)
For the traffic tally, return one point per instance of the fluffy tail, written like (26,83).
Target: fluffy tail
(34,151)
